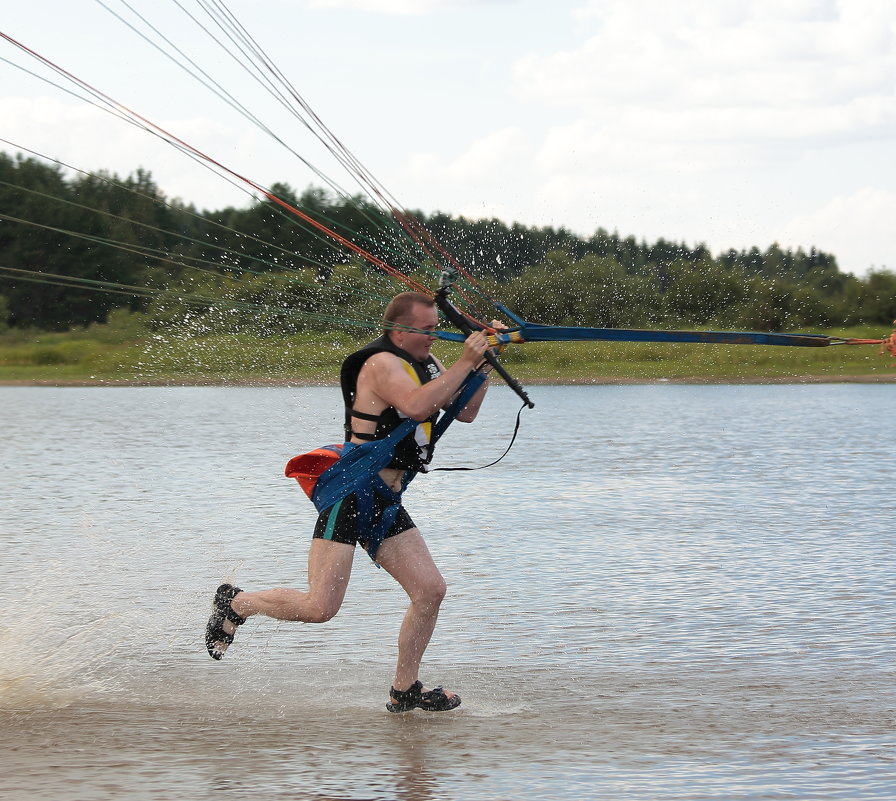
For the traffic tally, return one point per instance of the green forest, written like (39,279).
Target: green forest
(74,247)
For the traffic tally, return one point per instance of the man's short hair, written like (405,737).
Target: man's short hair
(401,308)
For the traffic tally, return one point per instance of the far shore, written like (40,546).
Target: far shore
(889,378)
(106,357)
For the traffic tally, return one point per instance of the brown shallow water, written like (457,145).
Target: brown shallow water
(654,734)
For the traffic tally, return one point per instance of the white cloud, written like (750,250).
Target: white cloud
(400,6)
(716,122)
(767,69)
(89,139)
(858,228)
(488,157)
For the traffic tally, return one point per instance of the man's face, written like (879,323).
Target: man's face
(426,318)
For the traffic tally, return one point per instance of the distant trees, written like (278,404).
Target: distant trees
(110,234)
(60,227)
(875,298)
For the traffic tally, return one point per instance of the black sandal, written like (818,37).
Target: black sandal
(415,697)
(214,631)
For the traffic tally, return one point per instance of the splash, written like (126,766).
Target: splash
(48,665)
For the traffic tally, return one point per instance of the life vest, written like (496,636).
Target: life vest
(413,452)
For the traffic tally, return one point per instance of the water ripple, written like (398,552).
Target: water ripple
(663,592)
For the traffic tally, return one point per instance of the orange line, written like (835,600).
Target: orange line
(172,138)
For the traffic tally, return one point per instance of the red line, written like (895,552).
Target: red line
(172,138)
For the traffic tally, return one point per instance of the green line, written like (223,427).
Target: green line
(331,520)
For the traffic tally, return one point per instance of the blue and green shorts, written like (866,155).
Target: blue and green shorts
(339,523)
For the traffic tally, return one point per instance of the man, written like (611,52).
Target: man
(390,380)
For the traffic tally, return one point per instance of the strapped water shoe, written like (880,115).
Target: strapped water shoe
(216,638)
(415,697)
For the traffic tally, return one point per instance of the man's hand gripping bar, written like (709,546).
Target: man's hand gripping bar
(457,318)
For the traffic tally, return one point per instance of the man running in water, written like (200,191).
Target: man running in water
(391,379)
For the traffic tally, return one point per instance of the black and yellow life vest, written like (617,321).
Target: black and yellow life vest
(414,451)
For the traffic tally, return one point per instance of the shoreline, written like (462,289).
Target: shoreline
(559,381)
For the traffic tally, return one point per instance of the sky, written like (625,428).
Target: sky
(728,123)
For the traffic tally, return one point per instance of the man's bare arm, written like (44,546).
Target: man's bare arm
(390,381)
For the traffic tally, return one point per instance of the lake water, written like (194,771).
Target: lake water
(663,592)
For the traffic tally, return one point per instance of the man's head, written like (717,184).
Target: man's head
(412,310)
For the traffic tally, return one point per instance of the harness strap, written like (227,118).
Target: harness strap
(365,496)
(468,389)
(357,470)
(373,418)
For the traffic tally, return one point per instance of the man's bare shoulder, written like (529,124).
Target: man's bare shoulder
(384,369)
(382,361)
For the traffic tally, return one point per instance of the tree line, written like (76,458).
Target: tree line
(58,223)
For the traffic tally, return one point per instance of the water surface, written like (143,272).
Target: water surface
(663,592)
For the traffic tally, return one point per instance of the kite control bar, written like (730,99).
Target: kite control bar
(457,318)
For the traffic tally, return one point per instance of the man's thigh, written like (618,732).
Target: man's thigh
(329,570)
(408,560)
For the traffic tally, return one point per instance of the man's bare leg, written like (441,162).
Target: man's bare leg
(408,560)
(329,570)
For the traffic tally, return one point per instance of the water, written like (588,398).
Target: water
(663,592)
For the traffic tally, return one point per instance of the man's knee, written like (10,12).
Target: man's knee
(322,610)
(431,593)
(322,614)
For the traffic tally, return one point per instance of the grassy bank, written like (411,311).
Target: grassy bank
(124,353)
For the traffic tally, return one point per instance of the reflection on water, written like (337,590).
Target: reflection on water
(663,592)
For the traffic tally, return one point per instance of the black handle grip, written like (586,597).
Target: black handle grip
(456,317)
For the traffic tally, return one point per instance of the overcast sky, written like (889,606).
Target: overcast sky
(731,123)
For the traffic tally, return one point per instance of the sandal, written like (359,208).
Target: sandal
(415,697)
(214,631)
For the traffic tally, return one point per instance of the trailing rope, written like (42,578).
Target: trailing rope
(251,57)
(142,122)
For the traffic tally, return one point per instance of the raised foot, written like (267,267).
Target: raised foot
(223,622)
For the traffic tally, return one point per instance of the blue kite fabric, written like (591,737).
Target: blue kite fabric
(357,471)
